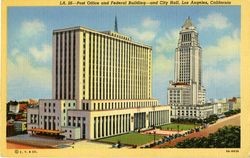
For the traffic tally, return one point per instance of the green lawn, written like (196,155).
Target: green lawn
(181,126)
(131,138)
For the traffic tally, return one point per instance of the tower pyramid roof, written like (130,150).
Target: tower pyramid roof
(188,23)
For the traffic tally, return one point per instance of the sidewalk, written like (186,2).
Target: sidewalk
(41,142)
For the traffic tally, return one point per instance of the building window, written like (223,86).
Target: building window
(87,106)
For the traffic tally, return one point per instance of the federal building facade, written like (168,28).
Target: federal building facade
(186,94)
(102,86)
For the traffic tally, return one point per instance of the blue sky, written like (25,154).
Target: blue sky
(30,50)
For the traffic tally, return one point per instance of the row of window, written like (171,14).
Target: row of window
(184,50)
(50,109)
(187,114)
(49,122)
(75,121)
(111,125)
(186,37)
(33,118)
(106,45)
(186,44)
(175,94)
(64,45)
(174,107)
(158,117)
(119,105)
(174,91)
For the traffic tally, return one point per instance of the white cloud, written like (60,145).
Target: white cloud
(163,65)
(41,55)
(227,48)
(222,81)
(222,66)
(140,34)
(168,42)
(145,32)
(214,20)
(162,73)
(21,68)
(150,23)
(28,74)
(32,28)
(14,52)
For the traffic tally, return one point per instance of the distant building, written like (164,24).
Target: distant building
(13,107)
(192,112)
(186,95)
(20,127)
(234,103)
(187,89)
(218,108)
(102,86)
(16,110)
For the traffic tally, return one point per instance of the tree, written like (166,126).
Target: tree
(226,137)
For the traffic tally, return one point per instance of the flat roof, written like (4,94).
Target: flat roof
(101,33)
(45,130)
(114,100)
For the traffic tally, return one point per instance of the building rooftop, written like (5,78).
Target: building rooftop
(188,24)
(105,33)
(118,35)
(180,84)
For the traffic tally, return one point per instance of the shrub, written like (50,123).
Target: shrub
(226,137)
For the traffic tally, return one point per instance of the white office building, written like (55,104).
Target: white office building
(102,86)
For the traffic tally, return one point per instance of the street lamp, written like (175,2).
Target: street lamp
(178,128)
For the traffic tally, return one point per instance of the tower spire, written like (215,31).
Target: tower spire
(116,25)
